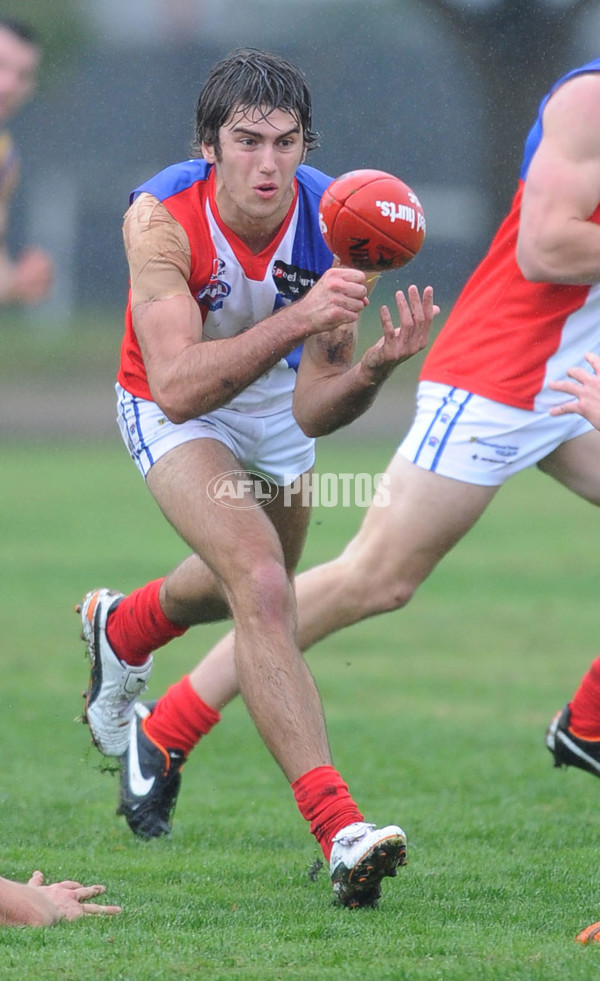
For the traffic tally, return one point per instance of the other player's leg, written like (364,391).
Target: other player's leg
(573,736)
(395,549)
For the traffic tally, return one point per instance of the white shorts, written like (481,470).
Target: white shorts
(470,438)
(273,444)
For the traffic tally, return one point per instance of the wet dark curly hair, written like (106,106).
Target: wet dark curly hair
(250,79)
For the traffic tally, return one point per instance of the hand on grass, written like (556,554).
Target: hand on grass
(70,897)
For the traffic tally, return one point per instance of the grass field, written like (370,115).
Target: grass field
(436,716)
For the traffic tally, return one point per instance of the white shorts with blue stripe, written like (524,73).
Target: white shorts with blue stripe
(271,444)
(465,436)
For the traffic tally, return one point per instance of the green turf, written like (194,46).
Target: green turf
(436,716)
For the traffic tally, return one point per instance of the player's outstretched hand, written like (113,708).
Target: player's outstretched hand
(398,344)
(585,389)
(70,898)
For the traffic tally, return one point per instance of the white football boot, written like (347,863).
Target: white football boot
(362,855)
(114,686)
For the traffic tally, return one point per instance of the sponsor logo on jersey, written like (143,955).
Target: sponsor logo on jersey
(291,281)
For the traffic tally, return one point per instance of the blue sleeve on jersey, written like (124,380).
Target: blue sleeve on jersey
(315,181)
(173,179)
(535,133)
(309,254)
(310,251)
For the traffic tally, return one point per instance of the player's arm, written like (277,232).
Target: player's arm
(188,376)
(584,388)
(331,391)
(557,242)
(23,905)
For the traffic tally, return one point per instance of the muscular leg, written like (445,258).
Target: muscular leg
(426,516)
(243,549)
(191,594)
(214,678)
(394,551)
(576,465)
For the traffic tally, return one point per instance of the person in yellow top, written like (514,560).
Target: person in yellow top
(27,278)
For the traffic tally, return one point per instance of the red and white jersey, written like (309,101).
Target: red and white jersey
(234,288)
(506,338)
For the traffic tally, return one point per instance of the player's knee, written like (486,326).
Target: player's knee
(388,593)
(267,591)
(375,588)
(396,593)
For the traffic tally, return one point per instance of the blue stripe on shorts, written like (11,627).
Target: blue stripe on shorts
(438,433)
(129,420)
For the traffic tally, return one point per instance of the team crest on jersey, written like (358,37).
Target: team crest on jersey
(291,281)
(216,290)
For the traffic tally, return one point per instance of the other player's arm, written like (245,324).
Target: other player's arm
(34,904)
(188,376)
(557,242)
(331,391)
(584,387)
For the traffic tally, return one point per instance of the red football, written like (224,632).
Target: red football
(372,220)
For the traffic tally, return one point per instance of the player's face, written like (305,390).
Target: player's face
(255,167)
(19,62)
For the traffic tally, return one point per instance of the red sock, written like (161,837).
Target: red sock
(180,718)
(585,705)
(324,800)
(138,625)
